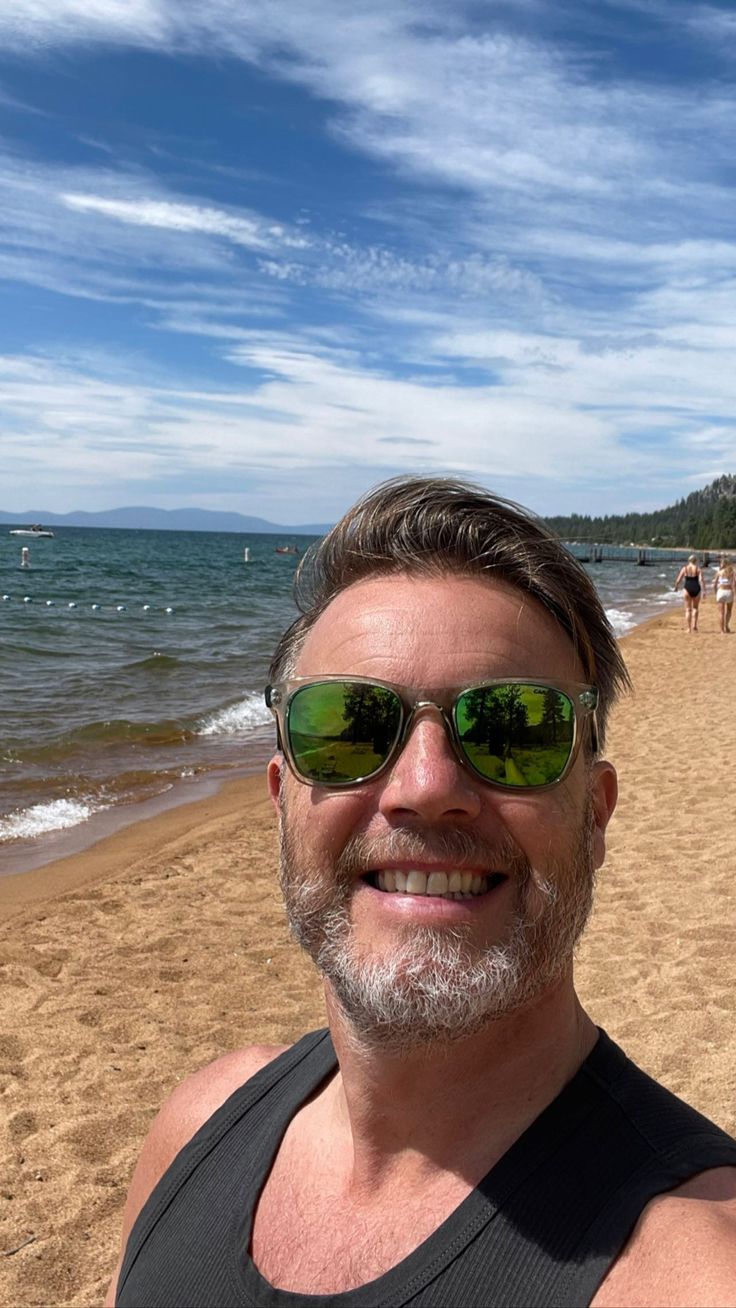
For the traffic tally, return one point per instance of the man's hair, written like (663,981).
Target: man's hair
(439,527)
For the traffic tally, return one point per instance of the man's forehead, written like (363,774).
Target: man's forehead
(479,626)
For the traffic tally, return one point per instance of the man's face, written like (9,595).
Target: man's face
(412,968)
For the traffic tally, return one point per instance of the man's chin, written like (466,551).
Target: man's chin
(424,990)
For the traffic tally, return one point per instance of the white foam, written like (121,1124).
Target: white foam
(241,717)
(621,620)
(56,816)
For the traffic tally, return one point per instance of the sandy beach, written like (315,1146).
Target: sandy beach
(129,965)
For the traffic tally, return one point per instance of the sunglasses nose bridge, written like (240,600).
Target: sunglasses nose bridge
(422,708)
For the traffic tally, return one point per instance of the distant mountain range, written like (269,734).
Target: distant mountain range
(705,520)
(163,520)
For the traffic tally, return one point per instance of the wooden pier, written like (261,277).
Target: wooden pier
(642,555)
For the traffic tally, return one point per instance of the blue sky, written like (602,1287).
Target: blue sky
(257,255)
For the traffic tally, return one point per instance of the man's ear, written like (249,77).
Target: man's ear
(604,793)
(274,776)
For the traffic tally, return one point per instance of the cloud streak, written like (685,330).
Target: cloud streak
(250,232)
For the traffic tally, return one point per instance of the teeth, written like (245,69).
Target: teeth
(416,883)
(441,885)
(437,883)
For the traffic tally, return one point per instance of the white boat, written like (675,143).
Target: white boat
(36,530)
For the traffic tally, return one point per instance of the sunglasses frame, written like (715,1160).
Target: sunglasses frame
(583,697)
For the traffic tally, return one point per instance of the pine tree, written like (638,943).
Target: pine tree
(706,519)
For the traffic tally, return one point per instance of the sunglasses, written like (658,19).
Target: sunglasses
(520,735)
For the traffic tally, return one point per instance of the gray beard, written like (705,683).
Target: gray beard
(435,984)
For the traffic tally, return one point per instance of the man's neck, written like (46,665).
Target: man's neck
(454,1106)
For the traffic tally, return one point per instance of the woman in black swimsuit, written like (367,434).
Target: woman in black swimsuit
(693,587)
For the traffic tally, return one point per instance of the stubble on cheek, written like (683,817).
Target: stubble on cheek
(316,894)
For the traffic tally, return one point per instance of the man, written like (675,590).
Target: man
(464,1135)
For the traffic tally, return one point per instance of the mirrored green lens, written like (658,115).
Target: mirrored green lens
(342,731)
(515,734)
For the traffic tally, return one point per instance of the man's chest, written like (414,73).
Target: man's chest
(309,1235)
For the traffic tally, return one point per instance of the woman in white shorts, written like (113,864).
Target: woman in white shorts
(725,584)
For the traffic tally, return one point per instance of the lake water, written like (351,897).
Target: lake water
(131,660)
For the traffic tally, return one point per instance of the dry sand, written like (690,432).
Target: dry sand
(129,965)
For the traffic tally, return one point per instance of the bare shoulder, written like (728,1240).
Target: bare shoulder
(187,1108)
(202,1093)
(190,1105)
(682,1252)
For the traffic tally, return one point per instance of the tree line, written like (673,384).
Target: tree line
(705,520)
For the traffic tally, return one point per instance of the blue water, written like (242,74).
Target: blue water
(156,672)
(140,658)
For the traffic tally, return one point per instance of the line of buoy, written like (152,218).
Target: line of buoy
(72,604)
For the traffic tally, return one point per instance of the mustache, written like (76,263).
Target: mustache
(461,848)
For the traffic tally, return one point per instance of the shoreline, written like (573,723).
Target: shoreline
(35,852)
(136,839)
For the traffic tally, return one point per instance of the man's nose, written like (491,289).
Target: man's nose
(427,779)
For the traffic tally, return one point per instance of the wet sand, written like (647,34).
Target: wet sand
(130,964)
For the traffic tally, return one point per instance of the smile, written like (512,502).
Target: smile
(438,885)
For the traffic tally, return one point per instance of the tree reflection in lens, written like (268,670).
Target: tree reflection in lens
(515,734)
(341,731)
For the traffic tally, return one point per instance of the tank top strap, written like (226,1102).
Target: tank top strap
(300,1069)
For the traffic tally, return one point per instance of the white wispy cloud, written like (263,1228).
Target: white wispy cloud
(378,271)
(28,23)
(552,408)
(10,101)
(96,234)
(713,25)
(250,232)
(79,241)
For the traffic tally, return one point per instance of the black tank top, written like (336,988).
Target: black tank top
(542,1227)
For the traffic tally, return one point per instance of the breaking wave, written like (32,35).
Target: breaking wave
(237,718)
(58,815)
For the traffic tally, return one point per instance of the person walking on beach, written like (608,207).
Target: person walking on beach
(725,584)
(693,584)
(461,1134)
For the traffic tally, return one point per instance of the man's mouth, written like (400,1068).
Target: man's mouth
(440,885)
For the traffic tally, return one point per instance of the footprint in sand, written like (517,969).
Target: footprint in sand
(12,1053)
(21,1125)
